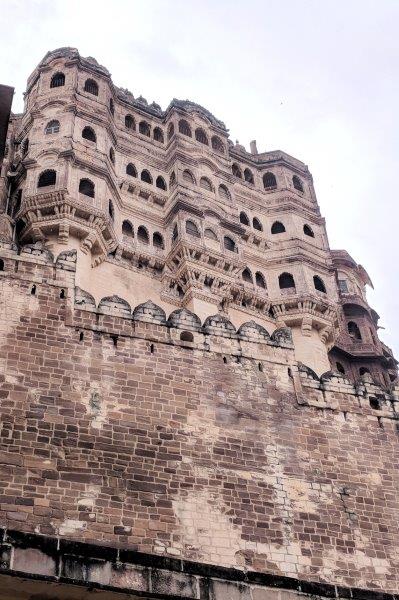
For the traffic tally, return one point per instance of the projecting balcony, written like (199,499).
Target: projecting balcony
(354,298)
(356,347)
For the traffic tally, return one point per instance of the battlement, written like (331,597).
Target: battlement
(194,401)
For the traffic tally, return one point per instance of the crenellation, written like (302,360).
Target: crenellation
(194,400)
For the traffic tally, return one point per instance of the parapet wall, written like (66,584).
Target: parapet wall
(221,450)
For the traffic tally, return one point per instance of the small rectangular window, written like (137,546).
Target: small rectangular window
(343,286)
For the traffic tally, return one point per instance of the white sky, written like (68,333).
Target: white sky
(316,78)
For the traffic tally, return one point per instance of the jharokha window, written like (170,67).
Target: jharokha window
(47,178)
(91,87)
(57,80)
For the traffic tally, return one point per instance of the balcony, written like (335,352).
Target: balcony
(356,347)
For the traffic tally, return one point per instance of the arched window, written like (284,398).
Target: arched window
(171,131)
(340,368)
(363,371)
(201,136)
(111,107)
(319,284)
(172,179)
(175,233)
(260,280)
(88,134)
(354,331)
(298,185)
(142,235)
(244,219)
(157,241)
(129,122)
(91,87)
(217,144)
(248,176)
(247,275)
(127,229)
(229,244)
(269,181)
(57,80)
(52,127)
(47,178)
(86,187)
(257,224)
(112,155)
(206,184)
(210,234)
(145,176)
(185,128)
(188,176)
(235,169)
(158,135)
(224,192)
(192,229)
(111,210)
(277,227)
(1,264)
(131,170)
(285,281)
(144,128)
(160,183)
(308,231)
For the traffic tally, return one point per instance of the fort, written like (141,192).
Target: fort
(195,402)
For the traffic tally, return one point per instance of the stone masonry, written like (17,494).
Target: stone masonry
(176,421)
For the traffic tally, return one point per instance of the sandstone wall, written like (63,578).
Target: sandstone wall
(223,450)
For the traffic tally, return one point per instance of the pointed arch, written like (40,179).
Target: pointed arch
(285,281)
(319,284)
(224,192)
(47,178)
(157,241)
(297,183)
(127,229)
(91,87)
(269,181)
(201,136)
(158,135)
(131,170)
(206,184)
(144,128)
(260,280)
(89,134)
(185,128)
(146,176)
(277,227)
(217,144)
(192,229)
(142,235)
(188,176)
(130,122)
(244,218)
(256,224)
(160,183)
(235,169)
(86,187)
(247,275)
(57,80)
(248,176)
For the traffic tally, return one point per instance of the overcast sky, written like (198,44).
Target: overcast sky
(318,79)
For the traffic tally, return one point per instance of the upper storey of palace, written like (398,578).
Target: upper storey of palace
(121,126)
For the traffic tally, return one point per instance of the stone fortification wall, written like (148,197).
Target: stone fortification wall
(131,428)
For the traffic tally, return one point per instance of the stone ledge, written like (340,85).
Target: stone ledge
(72,563)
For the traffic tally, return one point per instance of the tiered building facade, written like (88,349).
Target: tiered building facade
(180,344)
